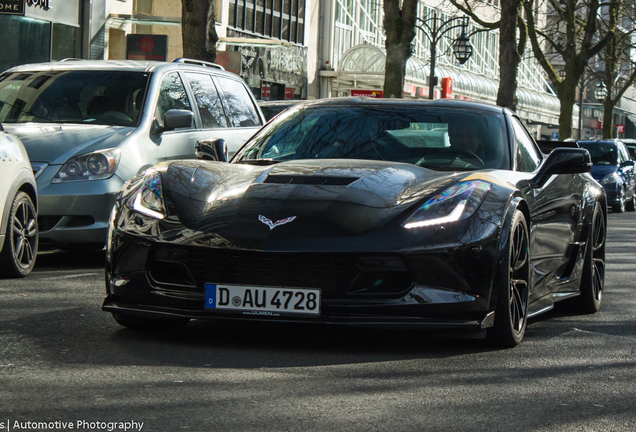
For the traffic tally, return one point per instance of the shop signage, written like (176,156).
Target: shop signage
(289,92)
(230,60)
(620,128)
(42,4)
(423,91)
(12,7)
(146,47)
(409,88)
(447,88)
(368,93)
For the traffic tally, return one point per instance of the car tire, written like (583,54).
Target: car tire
(511,313)
(19,252)
(593,276)
(619,207)
(136,323)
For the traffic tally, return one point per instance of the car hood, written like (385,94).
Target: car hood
(337,197)
(600,171)
(55,143)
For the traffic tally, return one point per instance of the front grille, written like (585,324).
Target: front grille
(336,274)
(46,223)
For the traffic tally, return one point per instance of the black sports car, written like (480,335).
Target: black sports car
(439,215)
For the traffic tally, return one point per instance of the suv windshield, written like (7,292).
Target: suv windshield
(89,97)
(436,138)
(602,154)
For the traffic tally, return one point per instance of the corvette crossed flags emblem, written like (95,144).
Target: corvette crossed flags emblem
(273,225)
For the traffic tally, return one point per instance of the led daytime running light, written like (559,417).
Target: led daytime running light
(139,207)
(452,217)
(149,199)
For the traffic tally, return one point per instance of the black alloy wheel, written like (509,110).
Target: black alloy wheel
(511,314)
(593,277)
(19,252)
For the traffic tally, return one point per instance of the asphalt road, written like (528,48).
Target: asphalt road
(63,359)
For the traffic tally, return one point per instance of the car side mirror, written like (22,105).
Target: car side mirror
(628,163)
(563,161)
(175,119)
(214,150)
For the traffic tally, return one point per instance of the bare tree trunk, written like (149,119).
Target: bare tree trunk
(567,96)
(399,25)
(197,29)
(509,53)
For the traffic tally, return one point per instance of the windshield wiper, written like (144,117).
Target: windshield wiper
(265,161)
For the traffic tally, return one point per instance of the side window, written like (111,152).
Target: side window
(212,115)
(238,105)
(172,95)
(527,156)
(623,153)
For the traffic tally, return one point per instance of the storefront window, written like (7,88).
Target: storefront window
(280,19)
(23,41)
(66,42)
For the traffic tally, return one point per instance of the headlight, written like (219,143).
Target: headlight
(149,199)
(611,178)
(457,202)
(91,166)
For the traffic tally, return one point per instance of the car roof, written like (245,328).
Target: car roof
(601,142)
(116,65)
(282,103)
(424,103)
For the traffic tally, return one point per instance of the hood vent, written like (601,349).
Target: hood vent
(310,180)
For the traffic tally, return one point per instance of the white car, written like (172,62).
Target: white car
(18,209)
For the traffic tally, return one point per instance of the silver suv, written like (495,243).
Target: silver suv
(90,125)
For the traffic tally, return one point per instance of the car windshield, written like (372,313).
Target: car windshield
(436,138)
(88,97)
(602,154)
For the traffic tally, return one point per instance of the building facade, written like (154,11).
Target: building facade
(287,49)
(39,31)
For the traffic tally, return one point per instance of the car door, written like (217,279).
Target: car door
(553,215)
(241,111)
(178,143)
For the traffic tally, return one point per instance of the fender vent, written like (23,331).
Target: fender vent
(310,180)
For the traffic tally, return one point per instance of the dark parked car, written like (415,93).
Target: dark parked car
(613,169)
(88,126)
(364,212)
(630,143)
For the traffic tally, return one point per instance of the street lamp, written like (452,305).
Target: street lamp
(434,28)
(601,91)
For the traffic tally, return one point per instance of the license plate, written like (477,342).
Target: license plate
(262,300)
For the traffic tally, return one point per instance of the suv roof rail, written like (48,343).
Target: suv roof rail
(197,62)
(71,59)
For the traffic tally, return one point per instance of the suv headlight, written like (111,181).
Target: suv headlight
(611,178)
(99,165)
(457,202)
(149,198)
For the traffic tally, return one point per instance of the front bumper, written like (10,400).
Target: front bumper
(75,212)
(447,288)
(613,192)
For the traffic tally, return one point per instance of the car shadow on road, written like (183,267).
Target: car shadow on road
(59,259)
